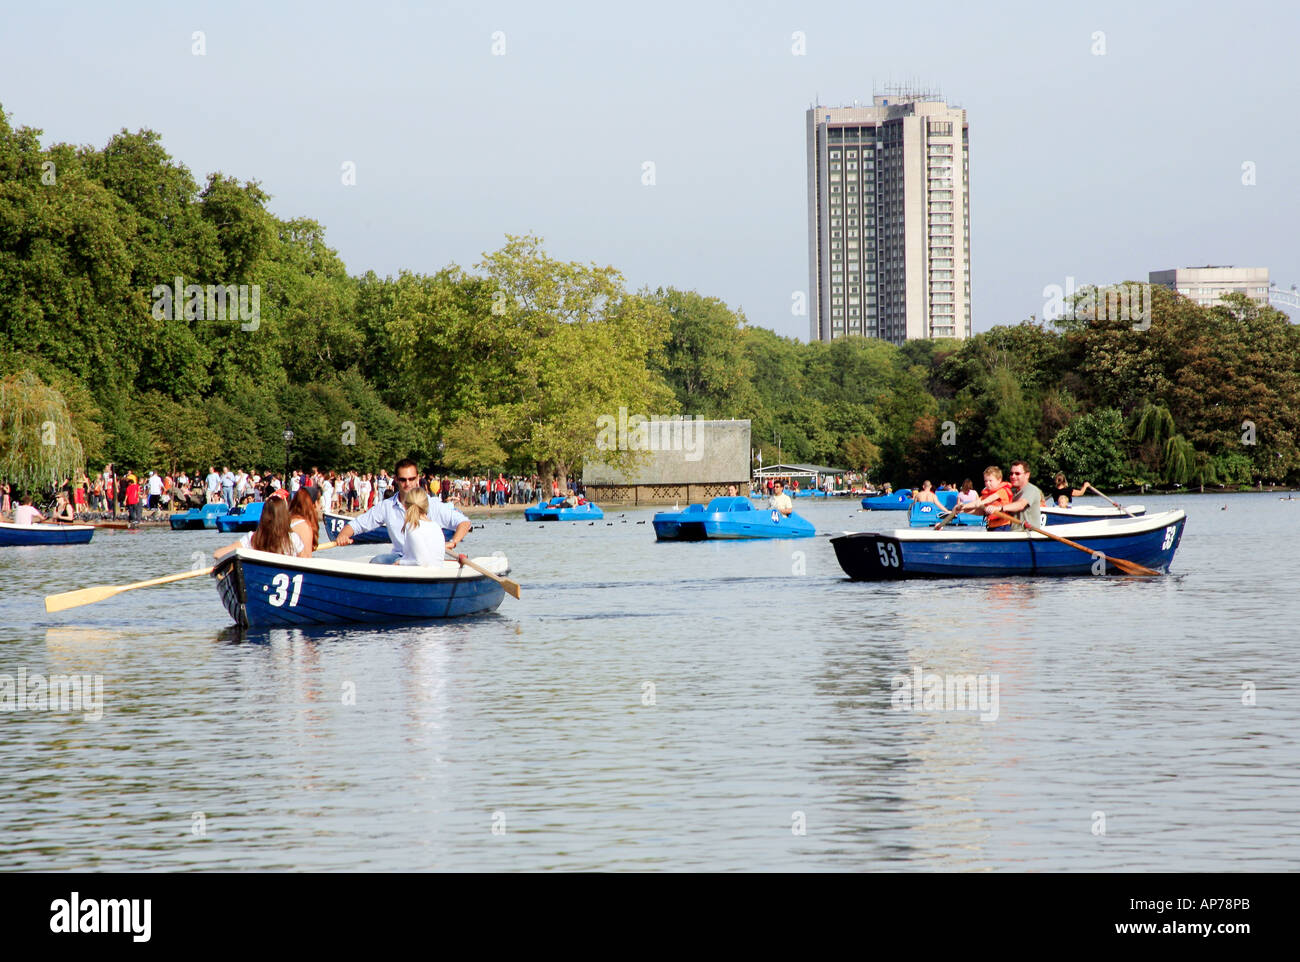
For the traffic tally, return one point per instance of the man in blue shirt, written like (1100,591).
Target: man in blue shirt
(391,513)
(228,487)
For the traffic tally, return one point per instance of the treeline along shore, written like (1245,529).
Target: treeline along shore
(151,320)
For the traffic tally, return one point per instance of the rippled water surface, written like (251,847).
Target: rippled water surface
(1121,740)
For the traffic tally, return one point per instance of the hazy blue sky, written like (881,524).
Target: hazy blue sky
(1100,167)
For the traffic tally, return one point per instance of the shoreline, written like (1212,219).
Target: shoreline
(479,511)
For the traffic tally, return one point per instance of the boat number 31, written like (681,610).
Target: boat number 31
(281,583)
(1170,533)
(888,558)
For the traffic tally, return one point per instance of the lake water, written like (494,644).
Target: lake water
(647,706)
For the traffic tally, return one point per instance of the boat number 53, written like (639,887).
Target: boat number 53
(1170,532)
(281,583)
(888,558)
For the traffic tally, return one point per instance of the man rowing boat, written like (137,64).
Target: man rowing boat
(1020,499)
(391,513)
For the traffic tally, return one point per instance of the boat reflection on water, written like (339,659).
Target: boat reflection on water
(69,638)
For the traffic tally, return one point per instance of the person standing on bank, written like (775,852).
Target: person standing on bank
(391,513)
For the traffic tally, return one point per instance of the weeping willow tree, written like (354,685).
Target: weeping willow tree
(38,446)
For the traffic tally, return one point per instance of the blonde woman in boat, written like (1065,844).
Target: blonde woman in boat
(424,538)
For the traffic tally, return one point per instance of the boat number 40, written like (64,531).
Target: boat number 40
(888,558)
(1170,533)
(281,584)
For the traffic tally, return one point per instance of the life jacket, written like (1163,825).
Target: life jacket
(1003,490)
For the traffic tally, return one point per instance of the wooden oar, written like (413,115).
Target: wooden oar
(512,587)
(1088,484)
(88,596)
(952,513)
(1128,567)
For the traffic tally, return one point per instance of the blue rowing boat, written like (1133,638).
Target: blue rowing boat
(20,535)
(1078,513)
(922,514)
(243,518)
(334,524)
(556,510)
(204,517)
(1150,540)
(264,590)
(728,518)
(898,501)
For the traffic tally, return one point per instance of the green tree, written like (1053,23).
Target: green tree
(1011,431)
(704,359)
(1090,448)
(38,447)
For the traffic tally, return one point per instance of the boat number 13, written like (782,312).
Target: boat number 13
(1170,532)
(281,583)
(888,558)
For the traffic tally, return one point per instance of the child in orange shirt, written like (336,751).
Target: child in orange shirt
(996,493)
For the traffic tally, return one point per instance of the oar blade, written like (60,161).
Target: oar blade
(1132,567)
(82,596)
(512,587)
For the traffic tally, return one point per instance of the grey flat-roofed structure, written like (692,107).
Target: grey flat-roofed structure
(1207,285)
(705,458)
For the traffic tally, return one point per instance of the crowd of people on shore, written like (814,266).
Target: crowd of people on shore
(152,495)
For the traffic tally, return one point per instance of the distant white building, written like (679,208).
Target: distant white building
(1207,285)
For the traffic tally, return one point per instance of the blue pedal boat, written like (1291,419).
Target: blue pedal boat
(898,501)
(245,518)
(555,510)
(264,590)
(195,518)
(1150,540)
(729,519)
(334,523)
(20,535)
(925,514)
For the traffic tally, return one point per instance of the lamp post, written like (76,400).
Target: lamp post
(288,440)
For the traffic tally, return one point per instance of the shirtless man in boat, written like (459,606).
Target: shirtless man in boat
(926,495)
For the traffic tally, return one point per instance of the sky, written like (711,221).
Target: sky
(1106,140)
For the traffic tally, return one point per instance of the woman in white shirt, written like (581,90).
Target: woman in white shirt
(273,533)
(424,539)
